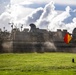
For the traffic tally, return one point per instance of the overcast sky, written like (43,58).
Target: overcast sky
(46,14)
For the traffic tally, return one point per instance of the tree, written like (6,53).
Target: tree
(21,27)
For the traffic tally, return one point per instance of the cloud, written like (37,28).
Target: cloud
(4,20)
(70,18)
(74,20)
(60,5)
(61,20)
(47,16)
(71,26)
(21,2)
(21,12)
(4,14)
(54,20)
(3,5)
(13,14)
(57,22)
(66,2)
(18,12)
(33,17)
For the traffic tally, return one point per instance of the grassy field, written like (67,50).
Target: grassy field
(37,64)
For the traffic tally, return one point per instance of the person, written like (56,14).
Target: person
(72,60)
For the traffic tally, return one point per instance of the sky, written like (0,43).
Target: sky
(46,14)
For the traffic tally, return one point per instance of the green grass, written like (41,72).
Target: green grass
(37,64)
